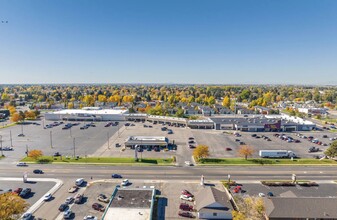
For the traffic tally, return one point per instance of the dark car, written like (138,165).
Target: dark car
(116,175)
(157,149)
(57,154)
(191,138)
(237,140)
(228,149)
(186,214)
(37,171)
(270,194)
(191,146)
(254,135)
(186,207)
(25,192)
(242,143)
(191,142)
(18,191)
(98,207)
(63,207)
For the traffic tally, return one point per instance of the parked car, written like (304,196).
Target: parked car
(18,190)
(186,207)
(69,200)
(125,182)
(228,149)
(25,192)
(187,193)
(237,140)
(188,163)
(37,171)
(63,207)
(79,182)
(21,135)
(27,216)
(90,217)
(262,195)
(78,198)
(242,143)
(237,189)
(47,197)
(98,207)
(191,146)
(103,198)
(73,189)
(186,214)
(67,214)
(270,194)
(183,197)
(7,148)
(116,175)
(191,138)
(57,154)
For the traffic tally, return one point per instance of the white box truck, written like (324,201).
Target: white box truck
(276,154)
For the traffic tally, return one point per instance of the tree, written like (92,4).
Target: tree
(180,113)
(245,151)
(12,206)
(332,150)
(249,208)
(16,117)
(201,151)
(226,102)
(35,154)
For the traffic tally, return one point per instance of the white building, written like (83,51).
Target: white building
(88,114)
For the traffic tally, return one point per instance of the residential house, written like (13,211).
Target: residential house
(212,203)
(262,110)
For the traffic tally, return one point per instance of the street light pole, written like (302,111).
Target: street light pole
(10,135)
(74,147)
(51,139)
(2,152)
(21,128)
(108,140)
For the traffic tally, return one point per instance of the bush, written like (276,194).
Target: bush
(44,160)
(271,183)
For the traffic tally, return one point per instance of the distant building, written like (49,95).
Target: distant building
(262,110)
(212,203)
(309,208)
(313,111)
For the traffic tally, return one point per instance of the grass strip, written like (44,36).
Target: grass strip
(254,161)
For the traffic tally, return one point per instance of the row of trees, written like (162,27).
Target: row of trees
(171,94)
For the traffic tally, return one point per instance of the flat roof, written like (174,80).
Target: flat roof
(146,138)
(253,121)
(130,203)
(90,112)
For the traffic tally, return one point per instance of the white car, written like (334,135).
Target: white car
(184,197)
(79,182)
(67,214)
(21,164)
(90,217)
(47,197)
(125,182)
(188,163)
(69,200)
(262,195)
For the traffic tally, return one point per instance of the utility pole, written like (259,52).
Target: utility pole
(51,139)
(2,152)
(10,135)
(74,147)
(108,140)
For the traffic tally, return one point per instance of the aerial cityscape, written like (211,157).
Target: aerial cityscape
(160,110)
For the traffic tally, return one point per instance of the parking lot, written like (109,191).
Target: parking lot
(167,207)
(323,190)
(219,141)
(39,189)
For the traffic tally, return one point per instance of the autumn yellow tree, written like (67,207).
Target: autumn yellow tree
(35,154)
(201,151)
(245,151)
(249,208)
(16,117)
(30,114)
(12,206)
(226,102)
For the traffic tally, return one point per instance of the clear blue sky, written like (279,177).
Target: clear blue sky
(173,41)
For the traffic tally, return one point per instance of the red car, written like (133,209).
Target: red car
(187,193)
(98,207)
(237,189)
(228,149)
(186,207)
(17,191)
(186,214)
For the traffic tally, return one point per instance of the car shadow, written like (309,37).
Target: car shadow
(30,195)
(30,182)
(84,200)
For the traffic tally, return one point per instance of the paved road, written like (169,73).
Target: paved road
(179,173)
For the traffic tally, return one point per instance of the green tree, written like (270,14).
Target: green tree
(332,150)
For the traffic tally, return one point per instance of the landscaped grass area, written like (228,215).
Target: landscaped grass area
(241,161)
(99,160)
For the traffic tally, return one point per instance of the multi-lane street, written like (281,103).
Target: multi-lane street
(172,172)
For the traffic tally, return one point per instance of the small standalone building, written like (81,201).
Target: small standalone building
(146,141)
(130,203)
(212,203)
